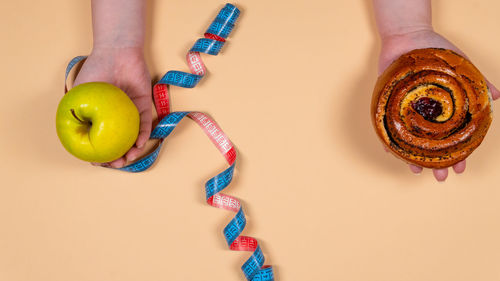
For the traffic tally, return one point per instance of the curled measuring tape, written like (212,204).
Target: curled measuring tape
(254,268)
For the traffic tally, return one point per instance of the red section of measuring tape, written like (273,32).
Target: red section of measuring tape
(161,100)
(216,135)
(195,63)
(244,243)
(214,37)
(223,201)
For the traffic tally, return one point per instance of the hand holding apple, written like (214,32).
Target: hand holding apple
(97,122)
(125,68)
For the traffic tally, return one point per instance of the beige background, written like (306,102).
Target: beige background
(292,90)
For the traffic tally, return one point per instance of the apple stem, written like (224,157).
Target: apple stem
(74,115)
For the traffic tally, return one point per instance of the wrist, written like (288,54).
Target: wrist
(118,23)
(119,41)
(117,53)
(401,17)
(404,31)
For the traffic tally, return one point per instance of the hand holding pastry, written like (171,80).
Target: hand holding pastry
(405,25)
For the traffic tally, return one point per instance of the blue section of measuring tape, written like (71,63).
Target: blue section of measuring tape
(207,46)
(235,227)
(219,182)
(264,274)
(223,24)
(72,63)
(167,125)
(145,163)
(253,264)
(180,79)
(222,27)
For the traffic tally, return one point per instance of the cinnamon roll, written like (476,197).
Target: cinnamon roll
(431,108)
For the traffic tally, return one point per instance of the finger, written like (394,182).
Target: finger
(440,174)
(385,148)
(415,169)
(105,165)
(143,136)
(133,153)
(146,120)
(459,167)
(495,93)
(118,163)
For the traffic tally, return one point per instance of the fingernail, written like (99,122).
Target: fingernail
(416,171)
(441,180)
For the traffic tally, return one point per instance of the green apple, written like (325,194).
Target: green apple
(97,122)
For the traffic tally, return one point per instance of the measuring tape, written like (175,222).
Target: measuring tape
(213,41)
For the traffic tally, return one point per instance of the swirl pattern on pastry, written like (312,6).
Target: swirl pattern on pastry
(431,108)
